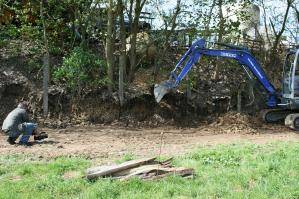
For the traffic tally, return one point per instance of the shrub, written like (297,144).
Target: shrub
(81,70)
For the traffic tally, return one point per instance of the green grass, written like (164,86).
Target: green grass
(232,171)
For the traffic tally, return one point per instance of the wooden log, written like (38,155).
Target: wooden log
(109,170)
(183,173)
(153,164)
(144,171)
(96,169)
(167,161)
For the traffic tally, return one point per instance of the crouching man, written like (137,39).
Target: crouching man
(17,123)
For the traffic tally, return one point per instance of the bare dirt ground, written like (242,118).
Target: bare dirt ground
(108,143)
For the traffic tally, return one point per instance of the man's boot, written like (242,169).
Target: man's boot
(41,136)
(11,140)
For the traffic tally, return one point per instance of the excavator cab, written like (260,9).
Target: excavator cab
(290,81)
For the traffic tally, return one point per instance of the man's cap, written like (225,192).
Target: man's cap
(23,105)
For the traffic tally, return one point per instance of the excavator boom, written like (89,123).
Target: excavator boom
(193,55)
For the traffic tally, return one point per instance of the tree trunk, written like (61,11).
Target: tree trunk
(110,46)
(207,24)
(283,27)
(297,12)
(46,64)
(133,57)
(122,57)
(241,89)
(274,58)
(167,36)
(133,38)
(220,35)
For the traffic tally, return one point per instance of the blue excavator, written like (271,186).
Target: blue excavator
(282,105)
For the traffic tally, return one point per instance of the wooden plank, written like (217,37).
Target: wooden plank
(130,171)
(167,161)
(143,171)
(99,168)
(186,172)
(106,171)
(152,164)
(157,177)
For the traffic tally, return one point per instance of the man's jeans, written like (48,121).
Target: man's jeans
(27,132)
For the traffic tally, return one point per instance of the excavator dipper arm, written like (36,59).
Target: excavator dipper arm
(193,55)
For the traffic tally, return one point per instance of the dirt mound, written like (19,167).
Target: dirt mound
(233,122)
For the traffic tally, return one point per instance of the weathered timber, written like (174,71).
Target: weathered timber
(146,168)
(109,170)
(144,172)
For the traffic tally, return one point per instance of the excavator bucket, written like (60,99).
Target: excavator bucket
(162,89)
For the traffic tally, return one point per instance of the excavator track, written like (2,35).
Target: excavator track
(274,115)
(292,121)
(290,118)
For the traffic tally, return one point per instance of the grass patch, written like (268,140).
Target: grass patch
(231,171)
(126,157)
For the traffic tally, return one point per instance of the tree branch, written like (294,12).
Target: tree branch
(279,34)
(273,28)
(296,11)
(265,22)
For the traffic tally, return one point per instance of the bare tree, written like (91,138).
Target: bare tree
(294,6)
(138,5)
(110,45)
(265,21)
(275,25)
(172,23)
(208,20)
(46,64)
(122,57)
(278,33)
(221,24)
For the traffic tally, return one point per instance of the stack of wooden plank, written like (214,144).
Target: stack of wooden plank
(145,168)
